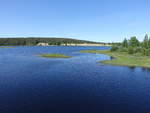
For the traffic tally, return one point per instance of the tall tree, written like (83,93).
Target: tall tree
(125,43)
(146,42)
(149,43)
(133,42)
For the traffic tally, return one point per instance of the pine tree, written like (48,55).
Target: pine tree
(125,43)
(146,42)
(133,42)
(149,43)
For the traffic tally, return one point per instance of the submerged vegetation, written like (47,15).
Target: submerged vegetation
(54,56)
(6,47)
(128,53)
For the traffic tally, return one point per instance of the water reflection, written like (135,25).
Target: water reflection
(132,68)
(145,69)
(111,57)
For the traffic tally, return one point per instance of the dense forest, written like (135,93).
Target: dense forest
(134,46)
(34,41)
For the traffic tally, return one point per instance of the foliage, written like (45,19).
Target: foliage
(114,48)
(145,43)
(133,42)
(121,49)
(130,50)
(146,52)
(125,43)
(134,46)
(137,50)
(34,41)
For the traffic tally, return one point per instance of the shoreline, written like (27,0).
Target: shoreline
(122,59)
(55,46)
(85,44)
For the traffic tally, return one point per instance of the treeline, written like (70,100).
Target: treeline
(34,41)
(134,46)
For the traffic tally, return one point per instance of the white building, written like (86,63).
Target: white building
(42,44)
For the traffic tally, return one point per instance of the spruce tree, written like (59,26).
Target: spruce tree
(133,42)
(146,42)
(125,43)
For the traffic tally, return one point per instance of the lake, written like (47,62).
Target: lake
(32,84)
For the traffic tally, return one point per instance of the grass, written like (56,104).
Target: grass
(54,56)
(123,58)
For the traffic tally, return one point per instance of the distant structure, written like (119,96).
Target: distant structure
(72,44)
(42,44)
(83,44)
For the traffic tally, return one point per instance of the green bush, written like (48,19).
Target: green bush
(131,50)
(123,49)
(146,52)
(114,48)
(137,50)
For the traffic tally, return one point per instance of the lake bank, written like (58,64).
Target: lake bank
(122,58)
(74,44)
(84,44)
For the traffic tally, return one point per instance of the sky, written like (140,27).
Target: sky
(95,20)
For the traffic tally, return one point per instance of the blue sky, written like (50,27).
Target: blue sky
(96,20)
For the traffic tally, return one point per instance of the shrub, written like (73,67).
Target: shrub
(146,52)
(123,49)
(114,48)
(137,50)
(130,50)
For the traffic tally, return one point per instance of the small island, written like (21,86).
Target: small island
(54,56)
(131,53)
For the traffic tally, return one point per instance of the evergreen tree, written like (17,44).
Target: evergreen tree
(125,43)
(146,42)
(133,42)
(149,43)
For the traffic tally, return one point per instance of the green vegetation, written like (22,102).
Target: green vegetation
(134,46)
(123,58)
(54,56)
(31,41)
(129,53)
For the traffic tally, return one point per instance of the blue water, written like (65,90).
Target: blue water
(31,84)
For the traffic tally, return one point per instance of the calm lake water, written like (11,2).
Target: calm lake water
(31,84)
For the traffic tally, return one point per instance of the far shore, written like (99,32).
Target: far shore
(85,44)
(73,44)
(69,45)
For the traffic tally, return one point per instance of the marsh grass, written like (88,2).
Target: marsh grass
(123,58)
(54,56)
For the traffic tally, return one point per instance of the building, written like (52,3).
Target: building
(42,44)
